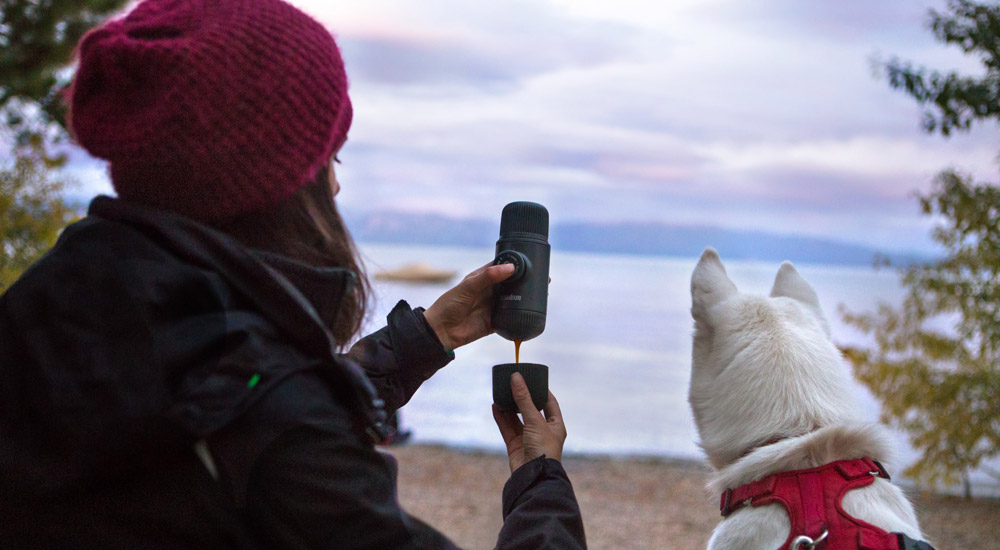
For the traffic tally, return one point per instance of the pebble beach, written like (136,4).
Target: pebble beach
(627,502)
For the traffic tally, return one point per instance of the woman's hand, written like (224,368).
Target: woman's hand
(538,435)
(462,314)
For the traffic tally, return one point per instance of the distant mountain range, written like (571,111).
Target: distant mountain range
(650,239)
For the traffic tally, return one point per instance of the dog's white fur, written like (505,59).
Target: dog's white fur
(765,368)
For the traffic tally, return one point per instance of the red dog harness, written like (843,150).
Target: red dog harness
(813,498)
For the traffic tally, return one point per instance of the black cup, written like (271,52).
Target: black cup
(536,376)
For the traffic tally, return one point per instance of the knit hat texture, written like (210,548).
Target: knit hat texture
(210,108)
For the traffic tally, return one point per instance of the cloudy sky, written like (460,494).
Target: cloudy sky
(764,115)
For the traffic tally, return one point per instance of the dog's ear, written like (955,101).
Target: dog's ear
(709,284)
(788,283)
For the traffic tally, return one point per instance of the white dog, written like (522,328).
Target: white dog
(771,393)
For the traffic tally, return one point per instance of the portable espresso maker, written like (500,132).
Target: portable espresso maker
(519,302)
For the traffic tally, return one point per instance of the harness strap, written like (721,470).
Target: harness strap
(745,495)
(869,540)
(813,499)
(874,540)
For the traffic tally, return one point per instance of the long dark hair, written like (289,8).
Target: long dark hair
(307,227)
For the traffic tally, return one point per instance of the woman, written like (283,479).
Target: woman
(171,375)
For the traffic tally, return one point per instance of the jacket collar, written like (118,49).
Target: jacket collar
(323,287)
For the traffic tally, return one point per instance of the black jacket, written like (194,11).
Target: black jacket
(163,387)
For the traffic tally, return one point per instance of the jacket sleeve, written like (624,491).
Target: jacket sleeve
(400,356)
(320,484)
(323,489)
(540,509)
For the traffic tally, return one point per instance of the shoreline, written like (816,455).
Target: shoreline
(585,455)
(627,502)
(979,491)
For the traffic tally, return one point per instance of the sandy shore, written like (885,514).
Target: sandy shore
(626,502)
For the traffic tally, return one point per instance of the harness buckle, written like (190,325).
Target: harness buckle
(727,499)
(883,473)
(803,542)
(906,543)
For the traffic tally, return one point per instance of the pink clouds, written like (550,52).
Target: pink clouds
(760,114)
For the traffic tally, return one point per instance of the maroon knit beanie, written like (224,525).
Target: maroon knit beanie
(210,108)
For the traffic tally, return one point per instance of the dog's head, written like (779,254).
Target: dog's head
(763,368)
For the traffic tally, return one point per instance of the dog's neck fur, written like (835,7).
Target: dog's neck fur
(825,445)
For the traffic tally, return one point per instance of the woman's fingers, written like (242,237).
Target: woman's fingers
(522,397)
(541,436)
(538,435)
(477,271)
(508,423)
(462,314)
(489,268)
(554,417)
(552,412)
(483,278)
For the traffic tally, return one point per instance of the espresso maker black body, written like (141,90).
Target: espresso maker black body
(520,302)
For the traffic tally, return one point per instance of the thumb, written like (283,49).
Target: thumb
(490,276)
(522,396)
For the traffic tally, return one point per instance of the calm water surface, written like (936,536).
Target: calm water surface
(617,343)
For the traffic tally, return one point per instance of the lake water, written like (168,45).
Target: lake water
(618,345)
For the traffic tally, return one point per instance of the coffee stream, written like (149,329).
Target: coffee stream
(517,351)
